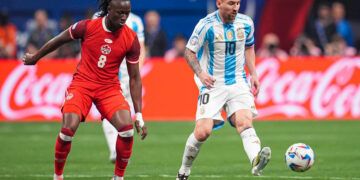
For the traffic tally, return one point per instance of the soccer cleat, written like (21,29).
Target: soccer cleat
(182,177)
(56,177)
(261,160)
(117,178)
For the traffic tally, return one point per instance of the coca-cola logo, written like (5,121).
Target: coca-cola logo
(25,94)
(326,93)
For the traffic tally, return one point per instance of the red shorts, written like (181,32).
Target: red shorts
(107,98)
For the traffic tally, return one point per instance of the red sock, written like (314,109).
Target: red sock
(123,151)
(62,149)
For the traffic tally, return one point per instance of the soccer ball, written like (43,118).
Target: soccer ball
(299,157)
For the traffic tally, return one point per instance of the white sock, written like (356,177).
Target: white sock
(192,149)
(117,178)
(110,135)
(251,143)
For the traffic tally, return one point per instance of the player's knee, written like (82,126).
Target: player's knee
(243,122)
(202,134)
(126,131)
(66,134)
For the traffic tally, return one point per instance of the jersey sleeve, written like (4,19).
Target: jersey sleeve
(249,28)
(77,30)
(132,56)
(197,38)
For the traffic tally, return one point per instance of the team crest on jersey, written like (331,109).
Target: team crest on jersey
(230,34)
(105,49)
(239,34)
(194,40)
(109,41)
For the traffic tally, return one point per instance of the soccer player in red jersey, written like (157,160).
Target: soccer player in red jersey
(105,42)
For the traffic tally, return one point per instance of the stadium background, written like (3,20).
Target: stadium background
(311,89)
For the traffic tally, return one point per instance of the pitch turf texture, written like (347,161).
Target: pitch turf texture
(27,150)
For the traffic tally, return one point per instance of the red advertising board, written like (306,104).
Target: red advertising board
(298,89)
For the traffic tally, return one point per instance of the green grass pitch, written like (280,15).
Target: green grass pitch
(27,150)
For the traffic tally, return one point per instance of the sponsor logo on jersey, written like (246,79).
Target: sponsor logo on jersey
(69,96)
(239,34)
(105,49)
(219,37)
(109,41)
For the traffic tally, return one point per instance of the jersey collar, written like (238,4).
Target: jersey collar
(104,25)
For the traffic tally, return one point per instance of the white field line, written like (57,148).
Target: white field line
(173,176)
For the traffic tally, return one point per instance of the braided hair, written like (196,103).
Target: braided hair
(103,7)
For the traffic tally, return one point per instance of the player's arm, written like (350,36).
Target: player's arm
(132,63)
(250,58)
(194,44)
(51,45)
(192,61)
(75,31)
(250,64)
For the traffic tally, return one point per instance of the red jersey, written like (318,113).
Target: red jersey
(102,51)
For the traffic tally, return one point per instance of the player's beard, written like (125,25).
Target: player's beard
(231,18)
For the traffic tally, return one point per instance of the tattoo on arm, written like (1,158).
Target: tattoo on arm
(192,61)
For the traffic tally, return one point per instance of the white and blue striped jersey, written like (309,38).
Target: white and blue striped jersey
(135,23)
(220,47)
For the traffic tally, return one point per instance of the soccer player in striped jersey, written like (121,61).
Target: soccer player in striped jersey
(135,23)
(221,44)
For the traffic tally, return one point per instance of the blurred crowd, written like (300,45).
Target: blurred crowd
(329,34)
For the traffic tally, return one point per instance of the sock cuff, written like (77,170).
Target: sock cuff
(67,132)
(250,132)
(192,141)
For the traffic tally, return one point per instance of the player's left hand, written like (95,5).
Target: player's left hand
(141,129)
(255,85)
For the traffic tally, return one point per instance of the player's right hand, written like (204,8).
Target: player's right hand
(207,80)
(29,59)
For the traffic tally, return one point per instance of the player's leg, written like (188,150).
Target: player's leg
(210,103)
(69,126)
(121,120)
(242,119)
(110,131)
(112,105)
(75,108)
(241,107)
(111,134)
(201,132)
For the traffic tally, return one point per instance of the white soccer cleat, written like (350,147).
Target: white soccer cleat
(56,177)
(260,162)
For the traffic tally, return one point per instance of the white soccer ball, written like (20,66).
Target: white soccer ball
(299,157)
